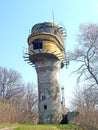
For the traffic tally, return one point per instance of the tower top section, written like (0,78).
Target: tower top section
(46,41)
(48,28)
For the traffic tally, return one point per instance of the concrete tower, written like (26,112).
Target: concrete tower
(46,52)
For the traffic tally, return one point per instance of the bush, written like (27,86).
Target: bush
(9,113)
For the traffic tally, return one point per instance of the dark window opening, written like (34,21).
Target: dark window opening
(37,44)
(45,107)
(43,97)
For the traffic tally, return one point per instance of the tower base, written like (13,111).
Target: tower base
(50,110)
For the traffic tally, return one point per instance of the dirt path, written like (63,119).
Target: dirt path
(8,128)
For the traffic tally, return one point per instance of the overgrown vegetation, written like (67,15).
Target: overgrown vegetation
(18,102)
(86,95)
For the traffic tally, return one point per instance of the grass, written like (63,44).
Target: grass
(42,127)
(47,127)
(7,125)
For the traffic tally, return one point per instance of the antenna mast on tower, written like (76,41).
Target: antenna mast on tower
(63,98)
(53,16)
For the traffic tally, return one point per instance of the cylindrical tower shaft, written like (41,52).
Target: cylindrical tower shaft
(46,51)
(48,88)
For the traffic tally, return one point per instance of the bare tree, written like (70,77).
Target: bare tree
(85,97)
(88,119)
(10,83)
(84,101)
(78,99)
(86,54)
(11,91)
(30,103)
(90,97)
(18,102)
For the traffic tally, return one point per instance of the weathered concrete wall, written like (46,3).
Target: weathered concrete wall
(49,90)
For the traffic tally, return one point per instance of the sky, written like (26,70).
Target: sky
(16,20)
